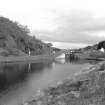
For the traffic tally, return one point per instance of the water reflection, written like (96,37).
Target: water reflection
(83,61)
(11,74)
(60,61)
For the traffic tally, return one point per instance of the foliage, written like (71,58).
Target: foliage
(15,36)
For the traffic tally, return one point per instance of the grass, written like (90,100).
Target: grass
(27,58)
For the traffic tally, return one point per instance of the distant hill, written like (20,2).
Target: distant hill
(96,46)
(87,48)
(15,40)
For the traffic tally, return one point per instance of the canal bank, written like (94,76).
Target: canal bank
(36,58)
(86,88)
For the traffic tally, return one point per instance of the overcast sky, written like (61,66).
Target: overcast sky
(80,21)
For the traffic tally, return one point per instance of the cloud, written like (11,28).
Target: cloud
(77,27)
(81,27)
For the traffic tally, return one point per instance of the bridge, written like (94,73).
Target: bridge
(66,54)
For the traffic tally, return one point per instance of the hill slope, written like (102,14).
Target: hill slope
(15,40)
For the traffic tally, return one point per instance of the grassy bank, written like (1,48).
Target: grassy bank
(29,58)
(86,88)
(25,58)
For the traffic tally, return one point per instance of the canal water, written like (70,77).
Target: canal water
(20,81)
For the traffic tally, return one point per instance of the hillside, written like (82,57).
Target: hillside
(15,40)
(91,52)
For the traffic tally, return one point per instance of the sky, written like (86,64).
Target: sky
(76,21)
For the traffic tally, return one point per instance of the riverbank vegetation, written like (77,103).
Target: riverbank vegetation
(15,40)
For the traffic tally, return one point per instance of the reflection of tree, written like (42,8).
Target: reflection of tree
(11,74)
(40,66)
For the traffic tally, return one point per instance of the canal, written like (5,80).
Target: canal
(20,81)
